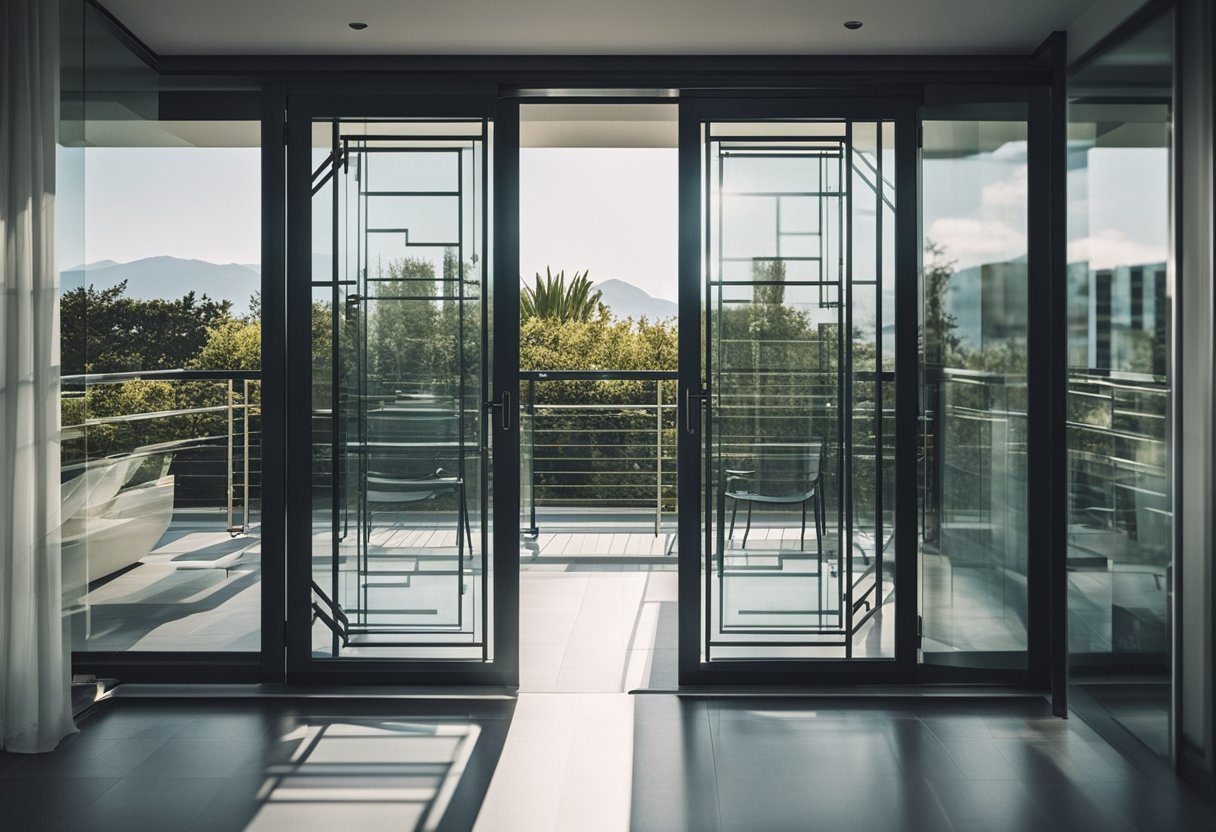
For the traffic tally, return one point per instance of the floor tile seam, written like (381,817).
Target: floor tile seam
(713,759)
(566,644)
(891,744)
(568,745)
(1180,803)
(1077,788)
(1154,776)
(937,801)
(114,781)
(971,779)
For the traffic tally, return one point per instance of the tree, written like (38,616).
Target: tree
(231,345)
(104,331)
(552,298)
(942,342)
(403,336)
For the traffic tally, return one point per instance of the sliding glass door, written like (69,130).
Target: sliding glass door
(975,499)
(792,564)
(392,398)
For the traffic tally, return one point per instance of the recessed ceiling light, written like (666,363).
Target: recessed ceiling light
(360,26)
(852,25)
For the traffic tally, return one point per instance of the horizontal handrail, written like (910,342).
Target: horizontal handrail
(598,375)
(163,375)
(159,414)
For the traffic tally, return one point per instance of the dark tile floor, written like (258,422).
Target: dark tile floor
(798,764)
(701,764)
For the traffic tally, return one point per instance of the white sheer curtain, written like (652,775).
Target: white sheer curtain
(35,682)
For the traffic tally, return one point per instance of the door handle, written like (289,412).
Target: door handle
(688,402)
(504,413)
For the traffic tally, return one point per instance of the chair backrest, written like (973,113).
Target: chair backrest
(787,469)
(412,438)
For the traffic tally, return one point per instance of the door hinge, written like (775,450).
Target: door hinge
(920,135)
(284,633)
(920,631)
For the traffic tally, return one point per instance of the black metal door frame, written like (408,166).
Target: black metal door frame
(693,445)
(503,432)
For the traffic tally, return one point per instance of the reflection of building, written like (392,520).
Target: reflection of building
(1117,318)
(989,303)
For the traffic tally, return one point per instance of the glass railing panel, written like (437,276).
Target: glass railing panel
(161,510)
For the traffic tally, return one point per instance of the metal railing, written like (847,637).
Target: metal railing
(195,416)
(598,441)
(1118,459)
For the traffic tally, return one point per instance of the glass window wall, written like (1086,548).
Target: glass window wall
(1120,509)
(160,347)
(975,308)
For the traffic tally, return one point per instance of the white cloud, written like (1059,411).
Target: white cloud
(1112,247)
(972,242)
(1008,192)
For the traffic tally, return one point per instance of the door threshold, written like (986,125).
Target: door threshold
(848,692)
(266,691)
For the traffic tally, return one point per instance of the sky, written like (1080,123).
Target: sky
(611,211)
(193,203)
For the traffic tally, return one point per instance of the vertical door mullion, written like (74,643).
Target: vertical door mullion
(506,381)
(298,463)
(274,370)
(907,386)
(690,452)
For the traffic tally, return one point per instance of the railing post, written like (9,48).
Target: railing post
(658,456)
(245,484)
(535,530)
(229,466)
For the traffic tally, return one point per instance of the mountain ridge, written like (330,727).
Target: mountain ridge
(629,301)
(167,277)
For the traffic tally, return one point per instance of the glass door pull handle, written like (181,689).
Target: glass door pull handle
(688,401)
(504,412)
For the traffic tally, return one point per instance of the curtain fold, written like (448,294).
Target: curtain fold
(35,659)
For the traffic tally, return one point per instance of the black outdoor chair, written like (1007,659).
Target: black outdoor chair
(411,441)
(386,493)
(782,474)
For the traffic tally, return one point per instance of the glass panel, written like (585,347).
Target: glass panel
(399,462)
(974,545)
(160,346)
(1120,510)
(798,563)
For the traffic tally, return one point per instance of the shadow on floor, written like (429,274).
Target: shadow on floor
(259,765)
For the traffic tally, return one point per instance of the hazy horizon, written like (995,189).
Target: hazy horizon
(611,211)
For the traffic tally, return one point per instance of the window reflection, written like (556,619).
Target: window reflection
(975,331)
(1119,391)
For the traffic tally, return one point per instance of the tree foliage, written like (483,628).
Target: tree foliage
(104,331)
(551,298)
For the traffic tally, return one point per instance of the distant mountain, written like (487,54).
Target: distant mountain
(628,301)
(170,278)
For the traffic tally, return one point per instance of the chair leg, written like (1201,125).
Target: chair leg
(747,529)
(468,531)
(802,537)
(734,510)
(819,552)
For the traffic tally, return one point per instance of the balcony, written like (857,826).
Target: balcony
(160,535)
(162,472)
(598,467)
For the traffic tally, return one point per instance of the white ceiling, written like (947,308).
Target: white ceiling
(605,27)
